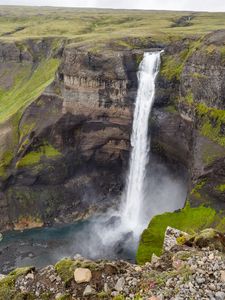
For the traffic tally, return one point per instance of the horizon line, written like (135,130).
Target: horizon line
(109,8)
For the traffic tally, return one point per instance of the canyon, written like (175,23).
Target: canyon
(86,161)
(73,140)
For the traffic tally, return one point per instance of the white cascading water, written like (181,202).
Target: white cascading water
(140,141)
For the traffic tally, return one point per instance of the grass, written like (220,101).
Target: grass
(28,85)
(100,25)
(189,219)
(34,157)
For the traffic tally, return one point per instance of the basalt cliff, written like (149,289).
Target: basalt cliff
(64,143)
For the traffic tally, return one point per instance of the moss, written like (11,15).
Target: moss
(102,295)
(171,68)
(211,152)
(28,85)
(198,76)
(65,269)
(220,188)
(139,58)
(119,297)
(46,296)
(26,129)
(172,65)
(34,157)
(65,297)
(181,240)
(7,284)
(211,121)
(189,98)
(171,109)
(4,162)
(197,188)
(188,219)
(24,296)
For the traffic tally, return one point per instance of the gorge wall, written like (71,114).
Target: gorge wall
(64,155)
(189,117)
(72,142)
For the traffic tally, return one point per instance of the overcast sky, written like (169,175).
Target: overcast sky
(202,5)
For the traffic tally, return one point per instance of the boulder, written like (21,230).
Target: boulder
(82,275)
(120,284)
(173,237)
(88,291)
(210,237)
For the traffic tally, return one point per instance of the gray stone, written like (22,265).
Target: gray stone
(220,296)
(170,238)
(200,280)
(2,276)
(88,291)
(120,284)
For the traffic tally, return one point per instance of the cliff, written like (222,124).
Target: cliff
(65,135)
(64,151)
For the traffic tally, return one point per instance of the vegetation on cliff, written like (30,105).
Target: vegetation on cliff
(188,219)
(34,157)
(28,83)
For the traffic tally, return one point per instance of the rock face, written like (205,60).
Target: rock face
(188,119)
(73,143)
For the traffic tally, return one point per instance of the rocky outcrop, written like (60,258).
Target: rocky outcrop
(179,273)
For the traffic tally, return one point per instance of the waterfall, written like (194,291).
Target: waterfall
(140,141)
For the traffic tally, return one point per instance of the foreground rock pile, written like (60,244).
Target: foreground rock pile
(183,272)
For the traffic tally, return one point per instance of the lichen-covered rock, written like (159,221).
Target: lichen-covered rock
(172,237)
(208,238)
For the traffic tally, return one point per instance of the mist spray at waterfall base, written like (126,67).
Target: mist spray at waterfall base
(151,189)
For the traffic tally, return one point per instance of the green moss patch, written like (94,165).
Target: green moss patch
(211,121)
(34,157)
(221,188)
(28,86)
(7,284)
(188,219)
(172,65)
(65,269)
(4,162)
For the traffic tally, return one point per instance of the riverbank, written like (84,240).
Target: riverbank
(182,272)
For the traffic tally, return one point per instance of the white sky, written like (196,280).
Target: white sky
(202,5)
